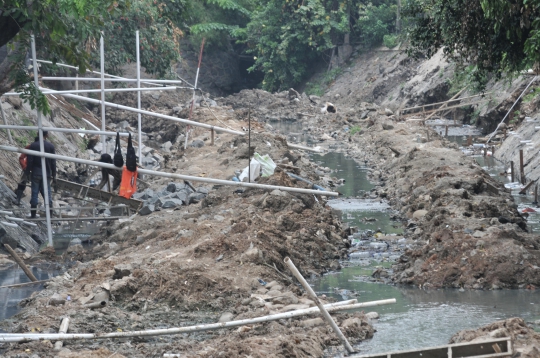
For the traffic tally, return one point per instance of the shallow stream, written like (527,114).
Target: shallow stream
(419,318)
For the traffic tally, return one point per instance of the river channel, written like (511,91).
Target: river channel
(420,318)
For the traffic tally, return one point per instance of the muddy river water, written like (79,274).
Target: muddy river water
(420,318)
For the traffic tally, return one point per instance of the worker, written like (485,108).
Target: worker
(105,172)
(35,173)
(21,186)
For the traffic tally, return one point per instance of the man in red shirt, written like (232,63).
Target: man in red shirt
(21,186)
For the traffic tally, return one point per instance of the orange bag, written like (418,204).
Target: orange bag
(128,185)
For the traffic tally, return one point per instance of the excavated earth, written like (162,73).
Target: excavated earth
(200,263)
(205,262)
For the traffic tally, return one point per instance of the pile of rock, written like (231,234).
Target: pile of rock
(171,196)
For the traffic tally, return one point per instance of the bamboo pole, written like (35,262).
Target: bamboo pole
(447,108)
(21,263)
(64,130)
(63,329)
(24,284)
(319,304)
(512,171)
(333,307)
(453,99)
(5,122)
(521,167)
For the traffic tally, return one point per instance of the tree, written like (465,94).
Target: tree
(60,26)
(492,37)
(287,36)
(159,37)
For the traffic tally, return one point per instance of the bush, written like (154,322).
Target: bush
(374,22)
(390,41)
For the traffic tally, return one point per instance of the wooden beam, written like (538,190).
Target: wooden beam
(21,263)
(94,193)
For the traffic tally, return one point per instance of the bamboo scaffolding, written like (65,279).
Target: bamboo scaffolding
(170,175)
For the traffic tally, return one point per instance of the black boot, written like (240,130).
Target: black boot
(33,210)
(19,196)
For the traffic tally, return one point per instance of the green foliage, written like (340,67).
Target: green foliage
(159,38)
(531,95)
(467,76)
(355,129)
(83,144)
(318,87)
(390,41)
(287,36)
(217,21)
(376,21)
(497,37)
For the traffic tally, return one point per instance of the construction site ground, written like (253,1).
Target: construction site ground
(205,262)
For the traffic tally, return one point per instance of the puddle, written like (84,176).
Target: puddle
(10,297)
(62,236)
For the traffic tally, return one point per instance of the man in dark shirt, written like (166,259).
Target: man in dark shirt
(105,172)
(33,169)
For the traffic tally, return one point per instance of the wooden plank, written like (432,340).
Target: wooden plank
(446,108)
(464,350)
(97,194)
(524,190)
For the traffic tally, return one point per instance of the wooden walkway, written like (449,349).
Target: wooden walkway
(501,347)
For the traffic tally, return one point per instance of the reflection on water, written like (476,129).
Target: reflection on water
(81,230)
(10,297)
(355,175)
(427,318)
(367,214)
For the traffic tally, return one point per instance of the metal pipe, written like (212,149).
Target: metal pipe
(92,79)
(42,150)
(102,64)
(319,304)
(106,74)
(507,113)
(84,218)
(65,130)
(139,130)
(8,224)
(24,337)
(170,175)
(107,90)
(521,167)
(158,115)
(5,122)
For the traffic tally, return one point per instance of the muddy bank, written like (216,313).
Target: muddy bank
(466,229)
